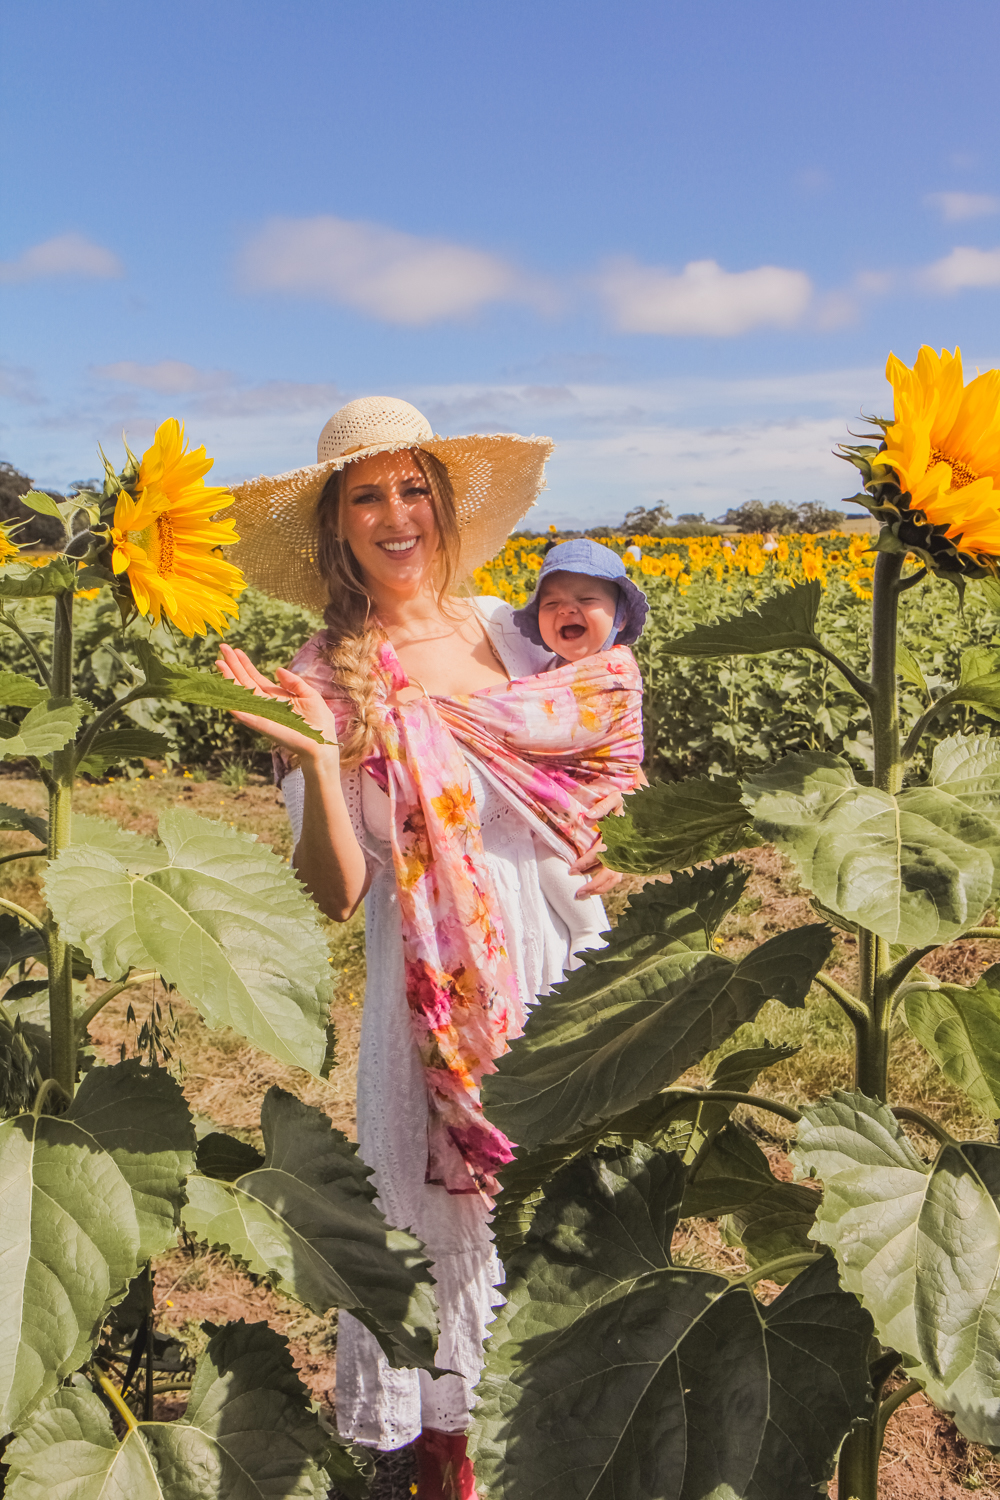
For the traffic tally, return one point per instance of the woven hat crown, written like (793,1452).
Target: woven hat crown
(369,422)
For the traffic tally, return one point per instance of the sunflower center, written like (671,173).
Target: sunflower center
(961,474)
(157,541)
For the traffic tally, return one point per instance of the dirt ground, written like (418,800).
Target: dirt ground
(225,1080)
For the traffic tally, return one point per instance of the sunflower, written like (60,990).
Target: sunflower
(168,544)
(8,549)
(944,445)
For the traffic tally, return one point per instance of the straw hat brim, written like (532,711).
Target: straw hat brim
(496,480)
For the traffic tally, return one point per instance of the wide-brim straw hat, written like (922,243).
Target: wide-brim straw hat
(496,480)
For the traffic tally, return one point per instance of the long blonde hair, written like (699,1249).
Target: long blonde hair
(354,634)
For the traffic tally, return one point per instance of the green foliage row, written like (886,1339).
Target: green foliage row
(726,714)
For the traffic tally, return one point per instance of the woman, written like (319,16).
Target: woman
(377,532)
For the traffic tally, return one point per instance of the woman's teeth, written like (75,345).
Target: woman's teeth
(399,546)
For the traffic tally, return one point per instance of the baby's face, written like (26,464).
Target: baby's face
(576,613)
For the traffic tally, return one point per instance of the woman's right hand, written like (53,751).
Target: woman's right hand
(291,689)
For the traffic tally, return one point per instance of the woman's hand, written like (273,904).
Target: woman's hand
(291,689)
(601,880)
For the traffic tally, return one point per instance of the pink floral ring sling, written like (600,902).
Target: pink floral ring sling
(557,743)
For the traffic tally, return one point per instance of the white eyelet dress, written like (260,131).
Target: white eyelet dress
(544,925)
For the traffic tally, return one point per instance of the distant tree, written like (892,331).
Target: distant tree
(761,515)
(41,531)
(644,520)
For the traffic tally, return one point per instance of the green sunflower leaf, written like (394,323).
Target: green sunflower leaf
(221,917)
(19,691)
(786,621)
(960,1028)
(673,824)
(638,1013)
(916,869)
(47,727)
(19,580)
(89,1196)
(117,745)
(306,1219)
(249,1432)
(919,1245)
(209,689)
(17,819)
(610,1371)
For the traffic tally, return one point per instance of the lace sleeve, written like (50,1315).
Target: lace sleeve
(293,789)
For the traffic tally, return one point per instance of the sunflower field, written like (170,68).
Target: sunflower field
(732,714)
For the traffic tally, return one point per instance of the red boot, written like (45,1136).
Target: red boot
(444,1469)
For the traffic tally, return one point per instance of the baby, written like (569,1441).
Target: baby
(585,602)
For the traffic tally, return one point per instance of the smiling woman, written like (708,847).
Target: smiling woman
(461,803)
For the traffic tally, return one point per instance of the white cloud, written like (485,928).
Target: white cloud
(703,298)
(65,255)
(964,267)
(169,377)
(397,277)
(955,206)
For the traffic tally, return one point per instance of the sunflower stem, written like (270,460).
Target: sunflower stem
(871,1052)
(60,959)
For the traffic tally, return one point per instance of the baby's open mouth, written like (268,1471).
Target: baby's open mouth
(572,632)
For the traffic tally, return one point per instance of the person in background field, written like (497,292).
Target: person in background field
(457,792)
(769,542)
(584,602)
(633,554)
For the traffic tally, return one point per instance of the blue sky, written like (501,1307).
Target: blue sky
(680,238)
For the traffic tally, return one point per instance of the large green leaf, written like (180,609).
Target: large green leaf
(961,1030)
(44,729)
(88,1197)
(249,1433)
(673,824)
(734,1181)
(785,621)
(919,1245)
(19,691)
(612,1373)
(641,1011)
(968,767)
(210,690)
(916,869)
(131,742)
(223,919)
(135,851)
(307,1220)
(19,580)
(523,1179)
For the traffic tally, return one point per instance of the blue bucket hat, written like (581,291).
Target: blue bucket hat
(590,558)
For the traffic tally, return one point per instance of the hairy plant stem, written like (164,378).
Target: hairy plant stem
(857,1473)
(731,1096)
(60,958)
(871,1057)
